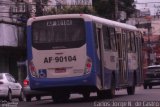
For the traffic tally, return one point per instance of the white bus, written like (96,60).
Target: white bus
(81,53)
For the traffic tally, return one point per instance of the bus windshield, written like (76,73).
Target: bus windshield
(58,34)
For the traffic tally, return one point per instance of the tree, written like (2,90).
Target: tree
(127,6)
(106,8)
(40,6)
(70,10)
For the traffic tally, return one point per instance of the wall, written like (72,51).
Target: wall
(72,2)
(8,35)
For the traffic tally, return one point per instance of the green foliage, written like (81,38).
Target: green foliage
(70,10)
(127,6)
(106,8)
(103,8)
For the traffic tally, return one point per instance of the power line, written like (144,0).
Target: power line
(6,12)
(5,3)
(146,2)
(8,17)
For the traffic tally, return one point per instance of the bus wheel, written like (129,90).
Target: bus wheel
(131,89)
(28,98)
(108,93)
(60,97)
(38,98)
(101,94)
(150,86)
(111,92)
(86,95)
(145,86)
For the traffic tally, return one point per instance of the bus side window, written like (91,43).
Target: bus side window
(128,41)
(133,42)
(140,35)
(95,36)
(113,38)
(136,43)
(107,38)
(124,33)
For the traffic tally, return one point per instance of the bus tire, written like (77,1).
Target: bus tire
(28,98)
(38,98)
(111,92)
(150,86)
(101,94)
(86,95)
(60,97)
(131,89)
(145,86)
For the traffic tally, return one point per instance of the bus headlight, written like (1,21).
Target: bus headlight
(88,66)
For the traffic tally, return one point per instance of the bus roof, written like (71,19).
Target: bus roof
(86,17)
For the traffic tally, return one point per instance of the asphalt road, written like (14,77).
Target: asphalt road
(142,98)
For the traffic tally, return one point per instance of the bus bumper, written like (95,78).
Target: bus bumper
(86,81)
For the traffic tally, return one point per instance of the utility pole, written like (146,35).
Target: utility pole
(39,8)
(116,9)
(149,43)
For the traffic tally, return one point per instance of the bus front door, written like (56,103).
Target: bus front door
(140,63)
(122,60)
(100,55)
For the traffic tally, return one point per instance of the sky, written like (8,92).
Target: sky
(143,1)
(152,5)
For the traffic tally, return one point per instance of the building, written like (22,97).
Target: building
(149,25)
(152,5)
(71,2)
(12,39)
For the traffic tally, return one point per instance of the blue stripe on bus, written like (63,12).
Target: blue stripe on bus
(92,53)
(29,43)
(55,82)
(90,43)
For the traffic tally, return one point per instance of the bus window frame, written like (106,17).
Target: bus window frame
(129,48)
(57,45)
(106,38)
(113,38)
(133,44)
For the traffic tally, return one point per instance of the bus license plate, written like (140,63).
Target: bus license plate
(60,70)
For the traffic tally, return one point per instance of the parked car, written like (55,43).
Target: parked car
(10,88)
(152,76)
(29,94)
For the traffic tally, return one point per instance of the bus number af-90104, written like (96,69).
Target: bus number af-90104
(60,59)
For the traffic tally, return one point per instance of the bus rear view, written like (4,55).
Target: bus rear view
(57,55)
(81,53)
